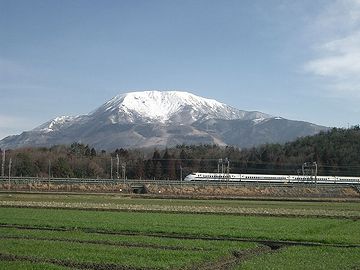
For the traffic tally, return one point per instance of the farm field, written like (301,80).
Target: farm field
(349,209)
(53,231)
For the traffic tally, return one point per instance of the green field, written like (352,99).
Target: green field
(241,207)
(307,258)
(49,234)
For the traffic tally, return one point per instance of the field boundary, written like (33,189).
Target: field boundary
(266,242)
(68,263)
(175,210)
(104,242)
(188,197)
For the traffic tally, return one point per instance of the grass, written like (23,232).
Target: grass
(274,228)
(226,207)
(135,240)
(104,254)
(16,265)
(117,199)
(305,258)
(156,239)
(135,251)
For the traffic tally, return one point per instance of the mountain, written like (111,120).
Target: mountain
(154,118)
(171,107)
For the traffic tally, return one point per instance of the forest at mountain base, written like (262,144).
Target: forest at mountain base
(337,152)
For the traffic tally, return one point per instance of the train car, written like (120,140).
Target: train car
(212,177)
(271,178)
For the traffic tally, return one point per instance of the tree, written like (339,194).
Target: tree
(149,169)
(24,166)
(157,169)
(94,170)
(168,165)
(139,169)
(61,168)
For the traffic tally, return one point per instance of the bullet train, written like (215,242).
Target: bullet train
(270,178)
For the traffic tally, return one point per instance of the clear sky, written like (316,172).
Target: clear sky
(298,59)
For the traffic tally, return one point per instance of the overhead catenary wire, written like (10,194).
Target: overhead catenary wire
(323,165)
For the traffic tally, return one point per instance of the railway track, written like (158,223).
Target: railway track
(139,182)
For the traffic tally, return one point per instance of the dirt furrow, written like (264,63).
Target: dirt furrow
(267,242)
(236,258)
(105,242)
(71,264)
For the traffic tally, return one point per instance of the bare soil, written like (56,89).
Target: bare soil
(234,259)
(257,191)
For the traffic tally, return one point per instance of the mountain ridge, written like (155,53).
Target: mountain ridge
(157,106)
(160,119)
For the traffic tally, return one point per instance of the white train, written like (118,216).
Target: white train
(272,178)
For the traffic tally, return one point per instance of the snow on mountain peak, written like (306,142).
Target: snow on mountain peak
(161,106)
(56,123)
(167,106)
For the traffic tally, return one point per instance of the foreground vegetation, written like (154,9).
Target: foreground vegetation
(330,208)
(306,258)
(41,238)
(336,204)
(336,153)
(192,225)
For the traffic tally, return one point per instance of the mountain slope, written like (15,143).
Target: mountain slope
(167,107)
(154,118)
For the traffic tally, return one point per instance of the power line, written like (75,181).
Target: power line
(324,165)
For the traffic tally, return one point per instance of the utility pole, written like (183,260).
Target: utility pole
(225,170)
(117,166)
(303,168)
(49,170)
(10,161)
(227,163)
(111,168)
(123,168)
(3,164)
(181,177)
(310,169)
(227,167)
(316,169)
(49,174)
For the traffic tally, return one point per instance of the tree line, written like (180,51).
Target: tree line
(337,152)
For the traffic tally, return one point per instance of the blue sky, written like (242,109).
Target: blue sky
(296,59)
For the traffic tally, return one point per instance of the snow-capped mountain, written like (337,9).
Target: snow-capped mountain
(168,108)
(57,123)
(154,118)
